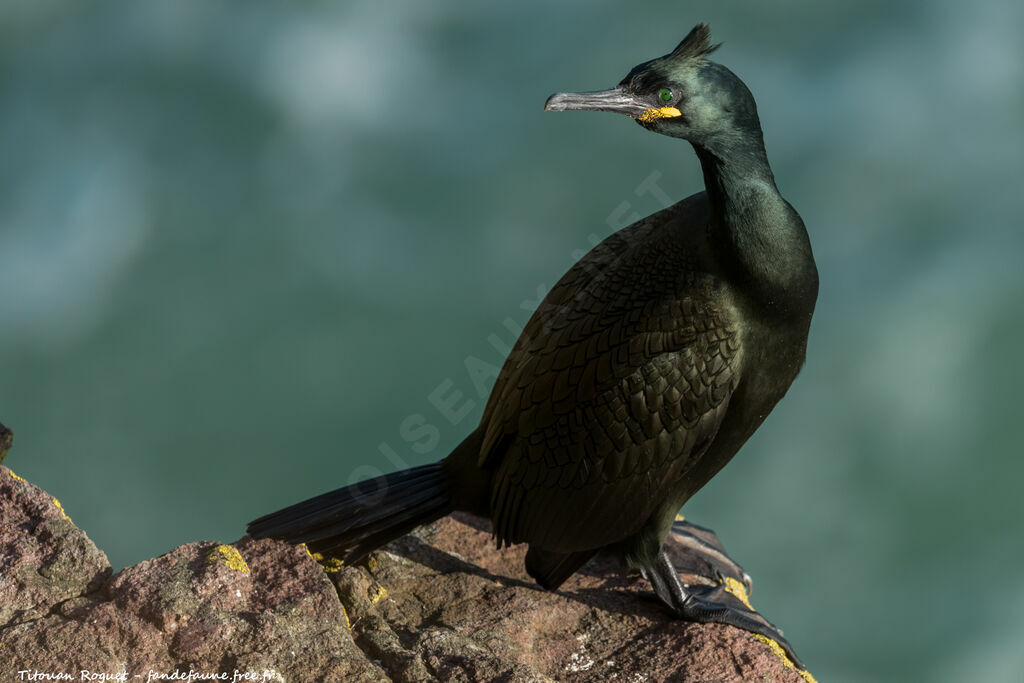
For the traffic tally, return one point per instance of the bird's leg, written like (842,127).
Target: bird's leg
(707,604)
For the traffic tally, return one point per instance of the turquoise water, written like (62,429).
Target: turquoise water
(243,244)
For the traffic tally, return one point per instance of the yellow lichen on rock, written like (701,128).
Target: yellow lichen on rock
(348,624)
(781,654)
(737,588)
(230,556)
(378,594)
(59,507)
(16,477)
(328,564)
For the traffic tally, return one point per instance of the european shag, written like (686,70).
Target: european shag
(639,376)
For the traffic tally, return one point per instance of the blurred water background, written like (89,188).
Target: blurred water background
(242,244)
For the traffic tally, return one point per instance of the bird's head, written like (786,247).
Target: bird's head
(681,94)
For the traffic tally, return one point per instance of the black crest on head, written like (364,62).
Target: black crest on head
(696,44)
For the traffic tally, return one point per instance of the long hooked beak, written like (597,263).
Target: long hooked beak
(615,100)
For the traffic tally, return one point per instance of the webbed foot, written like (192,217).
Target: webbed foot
(720,603)
(698,551)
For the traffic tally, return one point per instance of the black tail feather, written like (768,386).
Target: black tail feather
(345,502)
(412,499)
(376,539)
(352,521)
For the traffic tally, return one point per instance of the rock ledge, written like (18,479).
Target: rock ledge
(439,604)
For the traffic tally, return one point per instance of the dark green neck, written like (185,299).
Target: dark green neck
(757,235)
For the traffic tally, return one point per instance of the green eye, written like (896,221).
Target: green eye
(665,94)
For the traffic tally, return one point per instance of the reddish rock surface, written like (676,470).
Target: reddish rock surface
(439,604)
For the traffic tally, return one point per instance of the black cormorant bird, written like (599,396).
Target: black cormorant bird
(639,376)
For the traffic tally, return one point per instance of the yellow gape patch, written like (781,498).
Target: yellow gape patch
(659,113)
